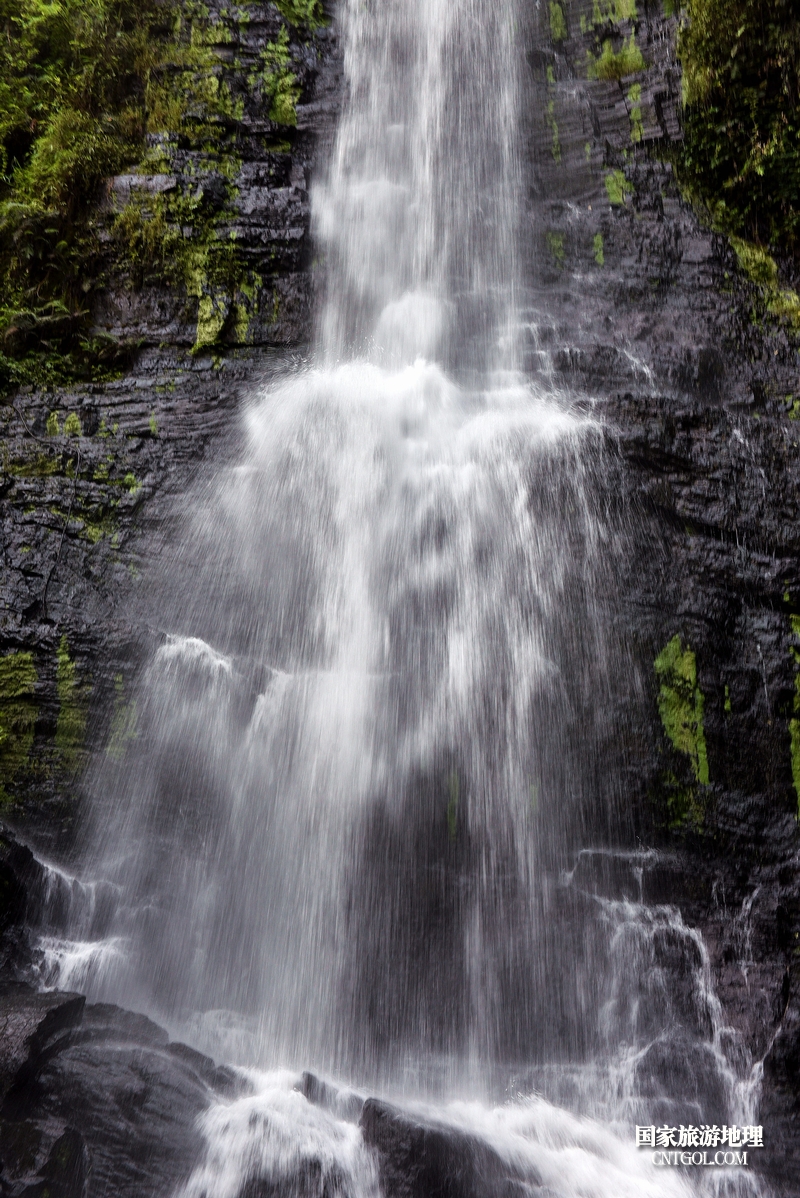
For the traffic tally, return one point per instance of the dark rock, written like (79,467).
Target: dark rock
(344,1103)
(29,1019)
(77,510)
(647,314)
(308,1180)
(418,1159)
(65,1171)
(95,1100)
(684,1075)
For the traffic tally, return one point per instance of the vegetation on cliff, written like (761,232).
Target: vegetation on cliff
(681,705)
(741,85)
(18,712)
(73,80)
(82,84)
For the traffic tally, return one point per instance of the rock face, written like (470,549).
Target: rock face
(418,1159)
(637,309)
(94,1100)
(233,187)
(632,307)
(90,475)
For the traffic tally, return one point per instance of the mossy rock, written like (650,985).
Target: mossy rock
(18,714)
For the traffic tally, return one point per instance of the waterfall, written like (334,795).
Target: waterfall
(362,740)
(365,749)
(418,219)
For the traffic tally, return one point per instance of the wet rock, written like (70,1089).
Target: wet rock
(417,1159)
(95,1100)
(345,1104)
(29,1020)
(64,1173)
(89,475)
(123,186)
(310,1180)
(680,1078)
(637,307)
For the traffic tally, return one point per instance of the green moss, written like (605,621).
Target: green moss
(94,531)
(756,263)
(551,115)
(72,425)
(18,713)
(635,112)
(681,705)
(205,261)
(153,425)
(211,317)
(611,64)
(613,11)
(52,426)
(558,26)
(278,82)
(304,14)
(42,466)
(794,743)
(555,147)
(146,241)
(555,243)
(727,705)
(599,250)
(741,152)
(795,625)
(72,86)
(452,806)
(762,269)
(617,187)
(685,805)
(794,722)
(81,85)
(71,723)
(123,722)
(241,325)
(184,93)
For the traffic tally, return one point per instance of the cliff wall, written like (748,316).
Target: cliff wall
(201,278)
(662,326)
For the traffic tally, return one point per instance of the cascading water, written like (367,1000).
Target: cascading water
(419,218)
(363,754)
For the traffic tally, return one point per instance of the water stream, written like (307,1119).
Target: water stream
(343,835)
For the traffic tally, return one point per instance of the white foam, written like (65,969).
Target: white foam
(76,964)
(192,651)
(276,1133)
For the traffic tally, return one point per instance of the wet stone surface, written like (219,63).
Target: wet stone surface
(100,1102)
(639,310)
